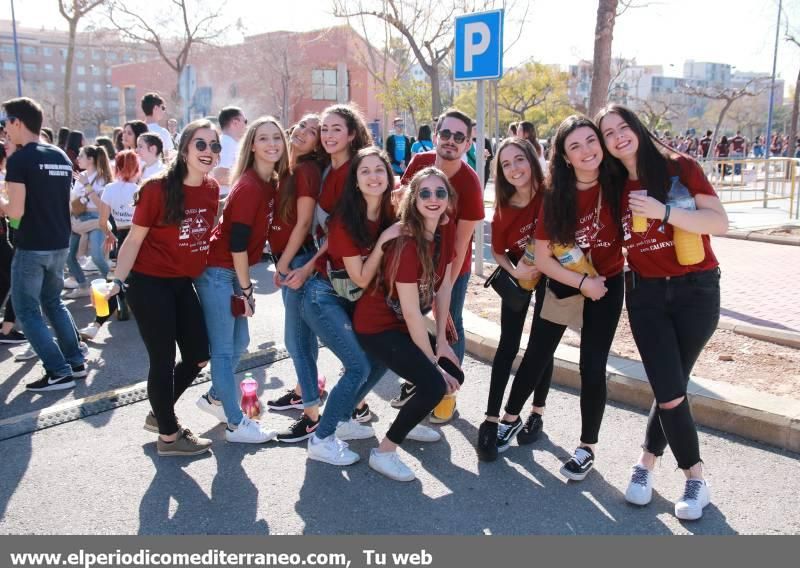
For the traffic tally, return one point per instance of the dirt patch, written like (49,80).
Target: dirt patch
(728,357)
(788,231)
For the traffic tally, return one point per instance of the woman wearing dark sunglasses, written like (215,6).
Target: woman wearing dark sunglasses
(389,322)
(166,248)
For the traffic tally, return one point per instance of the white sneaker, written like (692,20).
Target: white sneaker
(250,432)
(422,433)
(352,430)
(90,331)
(695,496)
(70,283)
(211,406)
(390,465)
(640,487)
(331,450)
(77,293)
(25,355)
(88,265)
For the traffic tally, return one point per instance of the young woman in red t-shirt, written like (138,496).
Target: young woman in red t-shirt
(581,210)
(237,243)
(673,309)
(415,275)
(518,189)
(165,249)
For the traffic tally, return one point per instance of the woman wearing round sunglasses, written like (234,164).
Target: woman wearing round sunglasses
(581,210)
(673,309)
(165,250)
(237,243)
(389,321)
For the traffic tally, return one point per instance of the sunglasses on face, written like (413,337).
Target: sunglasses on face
(426,194)
(201,146)
(458,137)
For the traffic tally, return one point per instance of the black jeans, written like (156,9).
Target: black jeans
(398,352)
(671,321)
(600,321)
(6,255)
(511,326)
(167,311)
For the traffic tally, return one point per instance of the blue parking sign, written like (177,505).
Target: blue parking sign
(479,46)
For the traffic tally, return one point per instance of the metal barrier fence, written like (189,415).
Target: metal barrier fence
(751,180)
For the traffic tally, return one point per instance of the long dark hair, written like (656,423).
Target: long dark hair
(560,198)
(177,170)
(138,127)
(352,207)
(99,156)
(75,140)
(654,159)
(504,190)
(528,132)
(355,125)
(287,186)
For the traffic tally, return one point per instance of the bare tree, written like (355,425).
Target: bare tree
(173,29)
(426,26)
(728,96)
(73,11)
(601,67)
(655,110)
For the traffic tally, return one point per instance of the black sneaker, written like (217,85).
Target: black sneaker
(506,433)
(79,371)
(362,415)
(407,390)
(51,383)
(579,465)
(530,432)
(487,441)
(289,400)
(300,430)
(13,337)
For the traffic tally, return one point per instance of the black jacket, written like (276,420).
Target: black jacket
(390,149)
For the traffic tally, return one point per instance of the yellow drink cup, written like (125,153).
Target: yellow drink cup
(446,407)
(639,222)
(99,289)
(688,247)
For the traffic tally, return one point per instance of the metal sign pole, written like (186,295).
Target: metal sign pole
(479,169)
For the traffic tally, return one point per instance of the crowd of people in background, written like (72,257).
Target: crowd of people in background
(365,242)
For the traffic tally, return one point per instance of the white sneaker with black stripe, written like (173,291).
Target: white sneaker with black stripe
(579,465)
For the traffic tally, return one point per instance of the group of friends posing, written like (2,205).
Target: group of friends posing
(359,265)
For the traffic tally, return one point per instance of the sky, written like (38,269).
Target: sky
(662,32)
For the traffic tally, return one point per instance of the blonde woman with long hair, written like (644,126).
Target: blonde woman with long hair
(236,245)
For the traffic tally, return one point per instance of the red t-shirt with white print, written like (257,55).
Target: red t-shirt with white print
(513,227)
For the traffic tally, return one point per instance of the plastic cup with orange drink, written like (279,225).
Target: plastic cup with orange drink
(99,290)
(639,222)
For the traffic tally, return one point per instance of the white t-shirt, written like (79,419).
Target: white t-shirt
(153,169)
(79,190)
(227,159)
(166,139)
(118,196)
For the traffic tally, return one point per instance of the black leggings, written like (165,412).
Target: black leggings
(600,321)
(398,352)
(671,321)
(511,326)
(6,255)
(168,311)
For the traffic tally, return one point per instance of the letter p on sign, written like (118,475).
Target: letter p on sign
(479,46)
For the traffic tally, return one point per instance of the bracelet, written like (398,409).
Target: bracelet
(666,215)
(121,284)
(582,279)
(247,287)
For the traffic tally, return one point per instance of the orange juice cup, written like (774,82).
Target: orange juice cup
(688,247)
(639,222)
(99,290)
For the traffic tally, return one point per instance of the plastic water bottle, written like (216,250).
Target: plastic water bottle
(688,246)
(529,260)
(251,406)
(572,258)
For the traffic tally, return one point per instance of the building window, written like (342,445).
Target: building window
(48,67)
(98,103)
(323,84)
(9,66)
(48,51)
(63,68)
(50,85)
(82,87)
(96,88)
(80,54)
(113,104)
(111,56)
(28,50)
(30,67)
(7,48)
(81,70)
(96,55)
(96,71)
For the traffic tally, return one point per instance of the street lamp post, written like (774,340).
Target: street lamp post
(16,49)
(768,139)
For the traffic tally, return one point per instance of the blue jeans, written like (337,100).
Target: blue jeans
(96,239)
(228,336)
(37,279)
(457,298)
(301,343)
(329,317)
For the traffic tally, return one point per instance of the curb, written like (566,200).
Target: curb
(112,399)
(786,337)
(761,238)
(737,410)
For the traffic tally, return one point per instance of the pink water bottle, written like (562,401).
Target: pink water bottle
(251,406)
